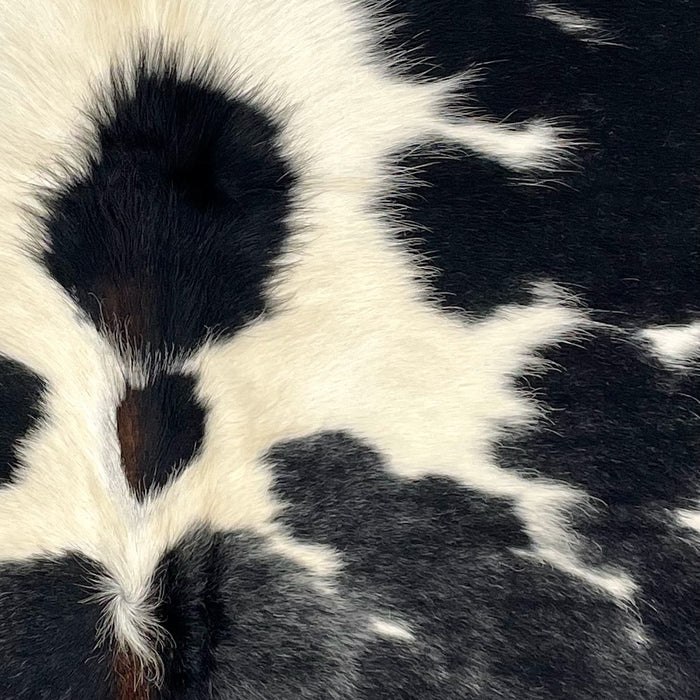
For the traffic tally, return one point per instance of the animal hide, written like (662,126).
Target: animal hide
(349,350)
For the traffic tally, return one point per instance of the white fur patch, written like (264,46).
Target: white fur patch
(675,346)
(390,629)
(537,146)
(586,29)
(689,518)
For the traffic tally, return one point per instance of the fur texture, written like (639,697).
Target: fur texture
(348,351)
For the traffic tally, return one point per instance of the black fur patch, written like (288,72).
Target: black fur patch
(48,632)
(248,621)
(622,230)
(171,235)
(487,622)
(619,425)
(20,395)
(628,432)
(160,429)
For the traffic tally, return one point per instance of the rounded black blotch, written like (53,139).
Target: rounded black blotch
(170,236)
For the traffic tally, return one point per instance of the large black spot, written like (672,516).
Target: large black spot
(171,234)
(622,230)
(20,395)
(440,558)
(160,429)
(48,631)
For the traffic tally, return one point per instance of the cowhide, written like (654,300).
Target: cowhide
(349,350)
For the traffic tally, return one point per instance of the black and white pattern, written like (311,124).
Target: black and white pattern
(349,350)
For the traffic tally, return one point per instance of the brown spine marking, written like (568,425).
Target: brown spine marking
(125,317)
(130,438)
(130,682)
(127,312)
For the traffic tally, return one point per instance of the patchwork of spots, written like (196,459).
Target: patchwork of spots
(349,351)
(620,229)
(444,561)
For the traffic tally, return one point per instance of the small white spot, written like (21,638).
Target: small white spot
(637,635)
(321,562)
(586,29)
(676,346)
(388,628)
(689,518)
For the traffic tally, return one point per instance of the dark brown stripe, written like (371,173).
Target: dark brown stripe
(160,428)
(130,438)
(131,683)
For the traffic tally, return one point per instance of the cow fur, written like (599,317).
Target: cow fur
(348,350)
